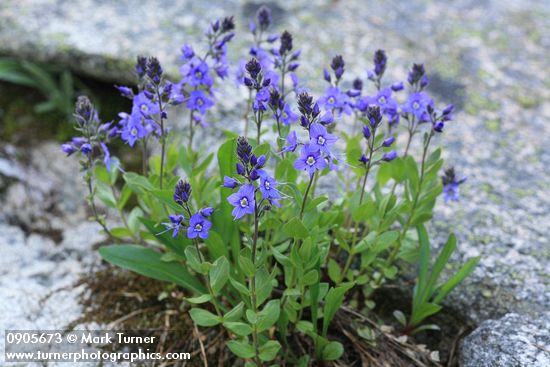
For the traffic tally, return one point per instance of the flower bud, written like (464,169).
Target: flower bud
(388,142)
(230,182)
(240,169)
(366,132)
(389,156)
(206,212)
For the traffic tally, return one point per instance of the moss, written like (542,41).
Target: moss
(528,101)
(493,125)
(478,102)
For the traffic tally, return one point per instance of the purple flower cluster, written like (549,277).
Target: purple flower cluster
(318,153)
(254,179)
(149,104)
(451,185)
(334,99)
(94,134)
(374,118)
(271,66)
(198,72)
(198,224)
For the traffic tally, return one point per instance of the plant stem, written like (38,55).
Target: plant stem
(306,194)
(91,196)
(162,137)
(395,251)
(123,215)
(252,284)
(349,260)
(207,281)
(191,130)
(247,112)
(144,157)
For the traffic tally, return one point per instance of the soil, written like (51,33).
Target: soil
(123,300)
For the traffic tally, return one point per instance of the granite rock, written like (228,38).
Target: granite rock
(512,341)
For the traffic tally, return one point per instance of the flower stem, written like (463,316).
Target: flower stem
(91,197)
(191,130)
(396,249)
(252,285)
(208,286)
(162,137)
(306,194)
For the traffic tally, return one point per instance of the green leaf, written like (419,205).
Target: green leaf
(439,265)
(400,316)
(241,349)
(385,240)
(423,265)
(134,219)
(223,221)
(247,266)
(269,315)
(310,278)
(193,259)
(138,184)
(148,262)
(216,245)
(204,318)
(263,285)
(235,313)
(334,271)
(456,279)
(241,288)
(332,351)
(200,299)
(105,194)
(238,328)
(333,301)
(296,229)
(219,274)
(177,244)
(269,350)
(423,311)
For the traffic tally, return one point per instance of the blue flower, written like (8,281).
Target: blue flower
(206,212)
(320,139)
(176,222)
(389,156)
(310,160)
(198,226)
(384,100)
(291,142)
(332,99)
(243,201)
(287,116)
(230,182)
(68,148)
(268,186)
(182,192)
(131,129)
(187,52)
(107,160)
(451,185)
(199,75)
(86,148)
(199,101)
(143,106)
(417,104)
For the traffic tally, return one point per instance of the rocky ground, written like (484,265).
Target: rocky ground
(487,57)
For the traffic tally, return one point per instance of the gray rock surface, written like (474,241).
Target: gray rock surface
(488,57)
(512,341)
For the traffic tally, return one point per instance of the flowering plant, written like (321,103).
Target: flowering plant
(255,246)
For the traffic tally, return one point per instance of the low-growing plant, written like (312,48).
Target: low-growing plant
(57,86)
(257,248)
